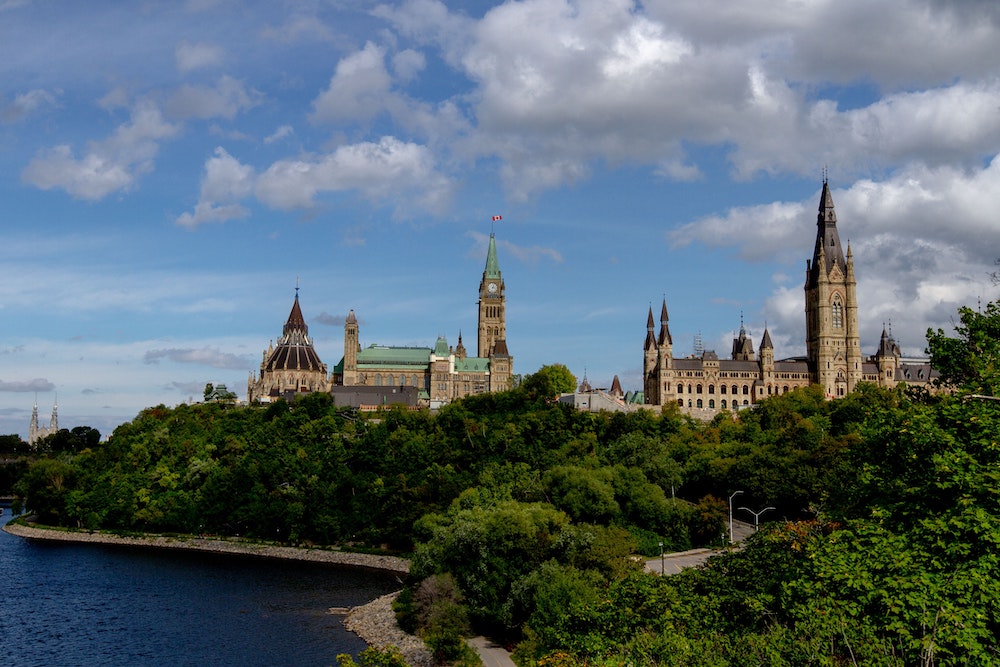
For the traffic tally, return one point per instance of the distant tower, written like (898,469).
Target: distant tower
(351,348)
(492,304)
(833,348)
(36,432)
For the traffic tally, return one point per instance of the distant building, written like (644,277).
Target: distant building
(435,375)
(36,432)
(704,384)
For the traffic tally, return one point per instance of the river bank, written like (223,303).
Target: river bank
(381,562)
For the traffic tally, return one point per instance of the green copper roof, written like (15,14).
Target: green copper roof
(441,347)
(471,364)
(381,355)
(492,265)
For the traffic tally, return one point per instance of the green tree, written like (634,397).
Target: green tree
(969,361)
(549,380)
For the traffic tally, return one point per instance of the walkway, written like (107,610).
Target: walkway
(675,562)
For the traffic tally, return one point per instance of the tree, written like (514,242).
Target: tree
(971,360)
(550,380)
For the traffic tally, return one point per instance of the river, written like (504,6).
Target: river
(87,604)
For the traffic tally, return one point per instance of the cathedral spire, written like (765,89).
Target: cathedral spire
(665,338)
(827,238)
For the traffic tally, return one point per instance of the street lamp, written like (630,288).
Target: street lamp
(756,515)
(661,558)
(735,493)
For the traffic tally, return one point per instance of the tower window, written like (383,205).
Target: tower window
(838,314)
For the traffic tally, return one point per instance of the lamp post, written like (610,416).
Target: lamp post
(661,558)
(735,493)
(756,515)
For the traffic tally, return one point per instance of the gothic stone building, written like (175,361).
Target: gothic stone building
(705,384)
(438,375)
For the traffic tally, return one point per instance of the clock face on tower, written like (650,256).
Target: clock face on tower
(491,288)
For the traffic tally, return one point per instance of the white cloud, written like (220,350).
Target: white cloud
(358,90)
(190,56)
(227,98)
(108,166)
(388,171)
(225,183)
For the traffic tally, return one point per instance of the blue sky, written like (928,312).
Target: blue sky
(169,170)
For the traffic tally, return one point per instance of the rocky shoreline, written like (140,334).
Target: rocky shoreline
(374,622)
(215,545)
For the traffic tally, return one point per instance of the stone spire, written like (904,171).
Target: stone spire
(664,338)
(828,252)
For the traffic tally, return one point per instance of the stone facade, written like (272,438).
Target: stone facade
(37,432)
(438,374)
(704,384)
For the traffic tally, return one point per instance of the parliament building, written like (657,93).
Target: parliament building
(704,384)
(380,375)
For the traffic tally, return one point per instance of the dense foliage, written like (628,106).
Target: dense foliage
(523,515)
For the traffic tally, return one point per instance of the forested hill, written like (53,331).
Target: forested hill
(884,545)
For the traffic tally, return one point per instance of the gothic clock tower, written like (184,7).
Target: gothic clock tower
(492,304)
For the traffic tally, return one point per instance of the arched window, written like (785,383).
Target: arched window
(699,403)
(680,402)
(391,380)
(711,402)
(711,388)
(699,388)
(746,390)
(722,389)
(838,313)
(735,390)
(378,379)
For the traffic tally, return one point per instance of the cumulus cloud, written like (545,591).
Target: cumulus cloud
(561,86)
(26,386)
(225,183)
(387,171)
(107,166)
(201,356)
(191,56)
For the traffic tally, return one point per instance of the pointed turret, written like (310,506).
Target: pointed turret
(616,388)
(650,325)
(765,342)
(664,338)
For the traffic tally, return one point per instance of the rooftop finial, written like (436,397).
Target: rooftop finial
(296,287)
(826,174)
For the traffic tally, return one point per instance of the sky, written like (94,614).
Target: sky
(170,171)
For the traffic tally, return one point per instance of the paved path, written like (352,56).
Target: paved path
(675,562)
(492,655)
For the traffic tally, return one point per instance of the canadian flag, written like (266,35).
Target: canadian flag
(497,217)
